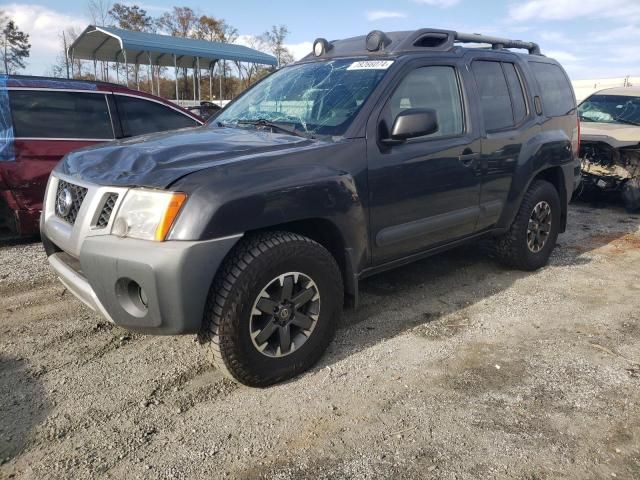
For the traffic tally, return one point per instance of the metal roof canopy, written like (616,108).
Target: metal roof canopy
(110,44)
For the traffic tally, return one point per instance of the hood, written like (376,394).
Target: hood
(615,134)
(159,159)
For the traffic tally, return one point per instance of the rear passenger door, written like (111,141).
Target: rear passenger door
(425,191)
(508,123)
(139,116)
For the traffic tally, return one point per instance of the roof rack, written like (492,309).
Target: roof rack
(497,43)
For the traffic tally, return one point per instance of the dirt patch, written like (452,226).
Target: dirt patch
(453,367)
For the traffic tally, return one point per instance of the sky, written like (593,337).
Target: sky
(591,38)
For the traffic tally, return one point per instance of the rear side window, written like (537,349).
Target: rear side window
(139,116)
(431,87)
(68,115)
(517,96)
(495,102)
(555,89)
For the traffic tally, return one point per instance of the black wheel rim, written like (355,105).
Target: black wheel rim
(284,314)
(539,227)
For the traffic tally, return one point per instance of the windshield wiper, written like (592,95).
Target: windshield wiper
(626,122)
(261,122)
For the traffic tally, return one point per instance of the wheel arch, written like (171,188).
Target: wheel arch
(328,234)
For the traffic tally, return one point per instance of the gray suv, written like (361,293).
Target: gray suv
(369,153)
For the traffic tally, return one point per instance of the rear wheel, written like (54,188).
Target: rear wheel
(532,237)
(272,309)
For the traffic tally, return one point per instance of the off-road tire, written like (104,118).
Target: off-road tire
(511,248)
(255,261)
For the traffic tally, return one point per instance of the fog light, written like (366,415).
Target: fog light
(132,297)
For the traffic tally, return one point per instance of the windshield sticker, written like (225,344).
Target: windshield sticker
(370,65)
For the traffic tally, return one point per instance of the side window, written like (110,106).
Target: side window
(433,87)
(139,116)
(52,114)
(555,89)
(495,102)
(517,96)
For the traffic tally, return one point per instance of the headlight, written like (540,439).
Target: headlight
(147,214)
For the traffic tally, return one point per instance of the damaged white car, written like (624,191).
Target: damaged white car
(610,144)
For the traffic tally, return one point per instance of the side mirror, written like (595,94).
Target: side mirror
(412,123)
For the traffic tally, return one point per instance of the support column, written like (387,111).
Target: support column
(175,70)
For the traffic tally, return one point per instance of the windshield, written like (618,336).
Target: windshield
(610,109)
(319,98)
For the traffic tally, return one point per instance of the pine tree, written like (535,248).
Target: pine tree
(15,47)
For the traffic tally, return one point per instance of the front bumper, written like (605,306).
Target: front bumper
(151,287)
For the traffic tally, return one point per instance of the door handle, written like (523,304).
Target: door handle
(468,159)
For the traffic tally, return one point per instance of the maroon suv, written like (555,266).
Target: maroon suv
(42,119)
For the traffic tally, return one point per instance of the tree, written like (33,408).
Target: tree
(99,12)
(181,22)
(209,28)
(131,17)
(275,39)
(15,47)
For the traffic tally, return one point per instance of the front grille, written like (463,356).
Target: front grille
(69,198)
(107,209)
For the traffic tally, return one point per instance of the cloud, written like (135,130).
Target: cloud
(438,3)
(571,9)
(382,14)
(44,27)
(562,56)
(298,50)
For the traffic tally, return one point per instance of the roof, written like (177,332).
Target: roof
(622,91)
(32,81)
(378,43)
(112,44)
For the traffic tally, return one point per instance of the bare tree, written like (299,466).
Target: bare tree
(275,39)
(99,12)
(63,64)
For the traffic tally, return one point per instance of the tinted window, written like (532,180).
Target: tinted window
(139,116)
(495,102)
(517,96)
(431,87)
(555,89)
(51,114)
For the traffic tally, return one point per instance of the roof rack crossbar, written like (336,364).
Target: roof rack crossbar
(497,42)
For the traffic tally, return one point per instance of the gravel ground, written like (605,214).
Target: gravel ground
(452,368)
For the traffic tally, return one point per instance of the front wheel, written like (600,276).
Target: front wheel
(273,308)
(532,237)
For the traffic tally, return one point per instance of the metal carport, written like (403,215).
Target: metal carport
(110,44)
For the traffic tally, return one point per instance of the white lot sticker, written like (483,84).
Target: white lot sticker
(370,65)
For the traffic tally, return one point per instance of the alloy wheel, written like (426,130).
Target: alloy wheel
(284,314)
(539,226)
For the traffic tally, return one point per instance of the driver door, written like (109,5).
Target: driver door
(425,191)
